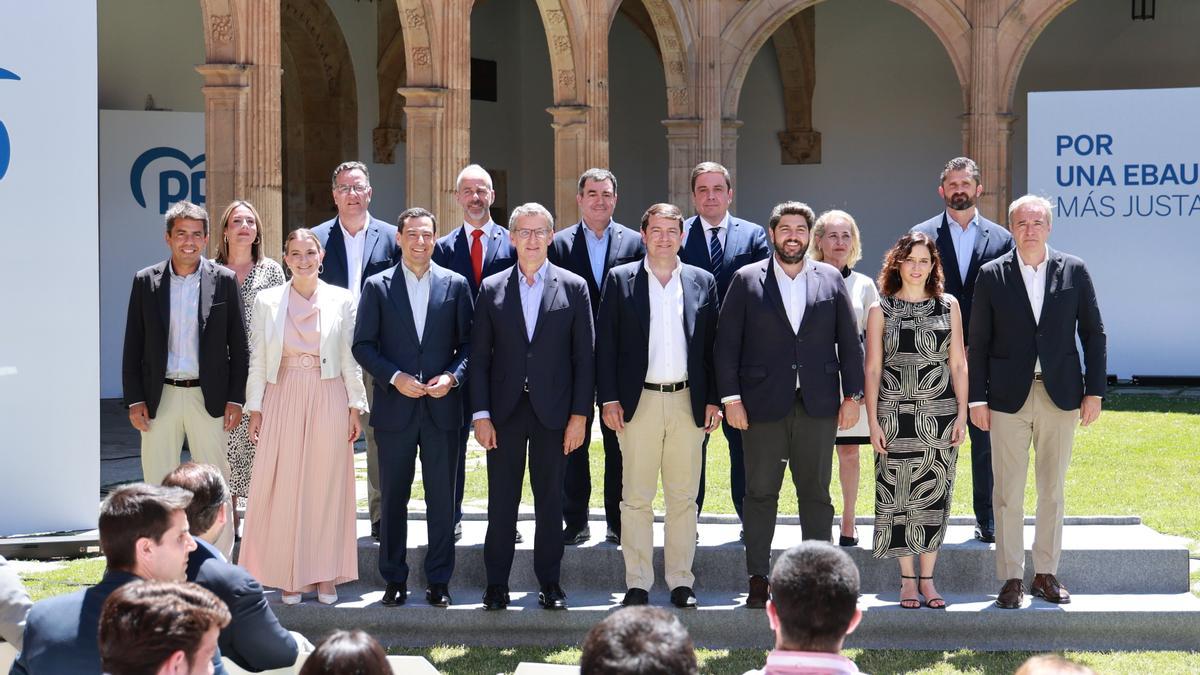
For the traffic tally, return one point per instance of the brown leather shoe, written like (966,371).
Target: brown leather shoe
(760,591)
(1011,595)
(1047,587)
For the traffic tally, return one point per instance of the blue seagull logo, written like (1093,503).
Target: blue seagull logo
(5,146)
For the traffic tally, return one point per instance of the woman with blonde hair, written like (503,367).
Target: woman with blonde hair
(835,240)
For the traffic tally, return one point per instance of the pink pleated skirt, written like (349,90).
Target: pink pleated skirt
(300,517)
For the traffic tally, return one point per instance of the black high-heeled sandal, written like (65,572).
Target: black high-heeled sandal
(915,602)
(929,601)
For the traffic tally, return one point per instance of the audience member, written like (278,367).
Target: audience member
(253,639)
(813,607)
(638,641)
(157,627)
(1052,664)
(14,605)
(347,652)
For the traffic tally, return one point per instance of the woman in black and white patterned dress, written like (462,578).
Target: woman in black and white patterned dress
(916,393)
(240,250)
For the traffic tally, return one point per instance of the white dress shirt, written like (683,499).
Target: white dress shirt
(666,361)
(355,247)
(1035,287)
(183,333)
(964,242)
(483,241)
(795,295)
(418,299)
(720,229)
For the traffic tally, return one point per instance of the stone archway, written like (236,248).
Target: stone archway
(1015,37)
(674,43)
(324,121)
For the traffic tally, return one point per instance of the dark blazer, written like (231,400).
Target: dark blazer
(758,355)
(253,639)
(557,363)
(1006,341)
(453,252)
(385,340)
(569,250)
(991,242)
(379,251)
(623,334)
(224,355)
(745,243)
(61,633)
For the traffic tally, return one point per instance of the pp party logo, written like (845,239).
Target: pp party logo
(5,144)
(173,184)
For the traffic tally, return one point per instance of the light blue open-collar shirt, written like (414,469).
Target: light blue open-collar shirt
(531,296)
(597,248)
(964,242)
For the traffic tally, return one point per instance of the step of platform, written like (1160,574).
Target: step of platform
(1090,622)
(1097,559)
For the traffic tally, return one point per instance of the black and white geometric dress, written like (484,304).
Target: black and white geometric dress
(917,409)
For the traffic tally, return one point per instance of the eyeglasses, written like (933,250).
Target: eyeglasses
(356,189)
(539,234)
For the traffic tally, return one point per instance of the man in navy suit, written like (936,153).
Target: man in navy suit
(476,250)
(532,384)
(720,244)
(787,332)
(357,246)
(413,333)
(1027,386)
(253,639)
(144,535)
(966,240)
(590,249)
(654,372)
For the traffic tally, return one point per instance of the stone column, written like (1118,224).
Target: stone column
(574,147)
(264,133)
(708,80)
(987,126)
(226,91)
(729,138)
(425,172)
(683,149)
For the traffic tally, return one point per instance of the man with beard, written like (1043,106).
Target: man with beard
(965,241)
(786,331)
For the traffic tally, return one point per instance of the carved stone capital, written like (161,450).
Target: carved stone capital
(567,115)
(220,75)
(423,97)
(385,141)
(800,147)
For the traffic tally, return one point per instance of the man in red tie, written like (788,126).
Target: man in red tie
(476,250)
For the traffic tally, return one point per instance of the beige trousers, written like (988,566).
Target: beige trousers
(374,500)
(1052,432)
(180,415)
(661,438)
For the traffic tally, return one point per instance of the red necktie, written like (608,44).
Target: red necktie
(477,256)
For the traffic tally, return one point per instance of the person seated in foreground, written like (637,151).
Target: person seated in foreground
(1052,664)
(160,627)
(638,640)
(345,652)
(14,605)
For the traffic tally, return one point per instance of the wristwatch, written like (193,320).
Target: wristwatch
(857,397)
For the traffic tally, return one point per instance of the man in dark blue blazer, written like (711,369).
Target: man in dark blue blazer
(590,249)
(532,384)
(413,334)
(654,373)
(789,363)
(358,246)
(253,639)
(1027,387)
(144,535)
(476,250)
(966,241)
(720,244)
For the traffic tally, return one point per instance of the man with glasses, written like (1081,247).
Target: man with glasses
(357,246)
(476,250)
(531,377)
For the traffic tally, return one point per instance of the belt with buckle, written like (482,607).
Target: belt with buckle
(181,383)
(525,387)
(665,388)
(1037,377)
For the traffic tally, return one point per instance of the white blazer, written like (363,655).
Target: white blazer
(267,324)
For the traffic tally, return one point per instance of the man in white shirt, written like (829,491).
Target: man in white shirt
(654,373)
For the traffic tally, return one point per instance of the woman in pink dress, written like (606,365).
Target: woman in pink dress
(304,395)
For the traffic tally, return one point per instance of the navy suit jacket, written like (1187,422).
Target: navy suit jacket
(385,340)
(758,356)
(569,250)
(991,242)
(558,363)
(1006,341)
(745,243)
(253,639)
(224,353)
(61,632)
(623,335)
(453,252)
(379,251)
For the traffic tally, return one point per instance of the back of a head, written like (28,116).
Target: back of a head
(814,590)
(209,492)
(132,512)
(638,641)
(145,624)
(347,652)
(1052,664)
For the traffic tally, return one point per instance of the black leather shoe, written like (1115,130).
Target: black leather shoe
(572,538)
(683,598)
(438,595)
(612,536)
(519,539)
(848,542)
(495,597)
(458,531)
(635,596)
(985,534)
(375,530)
(393,595)
(760,592)
(552,597)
